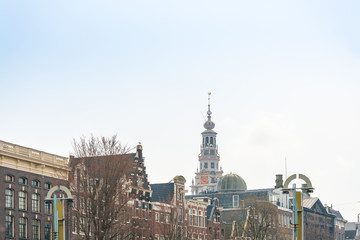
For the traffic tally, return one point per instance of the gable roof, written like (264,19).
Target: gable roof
(335,212)
(314,204)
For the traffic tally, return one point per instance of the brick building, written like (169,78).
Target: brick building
(27,175)
(178,218)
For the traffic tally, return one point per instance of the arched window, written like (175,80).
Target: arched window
(9,178)
(35,202)
(22,180)
(9,226)
(48,207)
(207,141)
(211,140)
(22,200)
(9,198)
(47,231)
(22,227)
(35,227)
(35,183)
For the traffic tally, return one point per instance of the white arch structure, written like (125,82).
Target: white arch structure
(59,188)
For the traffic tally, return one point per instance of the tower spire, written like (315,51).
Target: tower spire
(209,112)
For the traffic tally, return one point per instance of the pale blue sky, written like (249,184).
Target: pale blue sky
(284,77)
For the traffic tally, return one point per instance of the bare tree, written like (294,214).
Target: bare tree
(100,183)
(261,220)
(256,220)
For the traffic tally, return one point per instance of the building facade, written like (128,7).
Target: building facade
(27,175)
(178,218)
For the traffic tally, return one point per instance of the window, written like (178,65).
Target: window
(9,198)
(22,227)
(156,217)
(196,219)
(35,227)
(201,219)
(35,202)
(47,231)
(9,226)
(212,152)
(35,183)
(180,213)
(22,200)
(206,165)
(22,180)
(206,152)
(9,178)
(48,207)
(236,201)
(74,226)
(47,185)
(212,165)
(190,217)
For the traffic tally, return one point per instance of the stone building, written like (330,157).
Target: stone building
(27,175)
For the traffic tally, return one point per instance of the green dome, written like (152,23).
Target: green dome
(231,182)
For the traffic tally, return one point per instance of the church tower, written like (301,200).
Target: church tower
(207,176)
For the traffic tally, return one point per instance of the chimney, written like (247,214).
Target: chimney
(279,181)
(139,151)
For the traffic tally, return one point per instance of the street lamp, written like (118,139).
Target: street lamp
(69,199)
(298,217)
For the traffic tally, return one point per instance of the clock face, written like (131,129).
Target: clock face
(204,180)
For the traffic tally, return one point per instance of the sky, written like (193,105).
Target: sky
(284,77)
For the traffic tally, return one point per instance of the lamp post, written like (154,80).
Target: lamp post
(55,199)
(298,216)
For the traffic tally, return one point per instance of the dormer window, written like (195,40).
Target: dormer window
(22,180)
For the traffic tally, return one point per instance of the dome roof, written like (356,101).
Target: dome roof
(209,124)
(231,182)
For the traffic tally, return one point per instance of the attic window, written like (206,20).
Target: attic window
(9,178)
(35,183)
(22,180)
